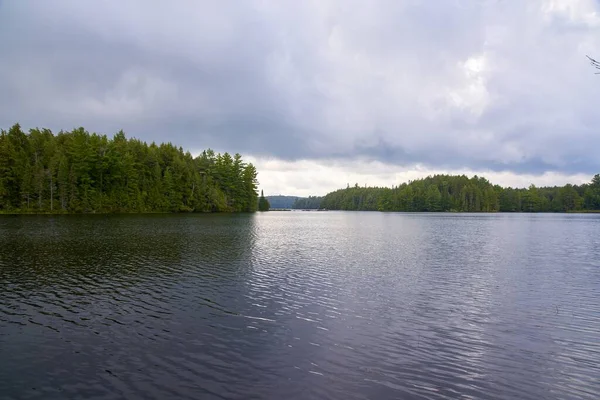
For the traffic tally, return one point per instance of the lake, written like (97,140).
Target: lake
(300,305)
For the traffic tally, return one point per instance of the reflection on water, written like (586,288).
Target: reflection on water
(300,305)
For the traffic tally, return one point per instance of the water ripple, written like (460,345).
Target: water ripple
(300,305)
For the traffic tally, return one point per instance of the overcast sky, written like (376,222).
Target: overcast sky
(320,93)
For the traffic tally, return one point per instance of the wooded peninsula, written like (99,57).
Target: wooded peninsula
(463,194)
(79,172)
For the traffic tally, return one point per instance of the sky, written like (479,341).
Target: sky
(319,94)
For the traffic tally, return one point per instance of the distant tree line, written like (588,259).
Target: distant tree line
(307,203)
(460,193)
(280,201)
(79,172)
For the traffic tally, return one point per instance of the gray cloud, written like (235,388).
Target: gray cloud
(501,85)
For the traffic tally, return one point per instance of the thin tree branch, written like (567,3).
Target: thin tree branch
(594,63)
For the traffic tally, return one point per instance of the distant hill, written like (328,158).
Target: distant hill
(282,201)
(308,203)
(295,202)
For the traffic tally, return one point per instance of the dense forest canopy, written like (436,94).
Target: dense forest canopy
(460,193)
(79,172)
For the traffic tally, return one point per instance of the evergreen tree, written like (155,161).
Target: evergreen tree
(76,171)
(263,203)
(433,199)
(460,193)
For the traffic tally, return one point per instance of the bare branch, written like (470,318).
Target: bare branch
(594,63)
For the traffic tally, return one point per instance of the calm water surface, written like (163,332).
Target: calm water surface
(300,305)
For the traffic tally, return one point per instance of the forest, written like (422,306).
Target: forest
(308,203)
(79,172)
(463,194)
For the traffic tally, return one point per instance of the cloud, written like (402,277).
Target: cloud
(495,85)
(317,177)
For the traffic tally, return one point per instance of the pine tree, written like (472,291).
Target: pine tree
(81,172)
(263,203)
(460,193)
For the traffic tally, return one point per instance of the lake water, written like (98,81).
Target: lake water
(300,305)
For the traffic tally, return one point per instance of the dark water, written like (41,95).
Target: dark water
(300,305)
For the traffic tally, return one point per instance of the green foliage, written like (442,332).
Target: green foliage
(463,194)
(263,203)
(79,172)
(307,203)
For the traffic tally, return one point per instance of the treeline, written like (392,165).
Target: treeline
(79,172)
(280,201)
(307,203)
(463,194)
